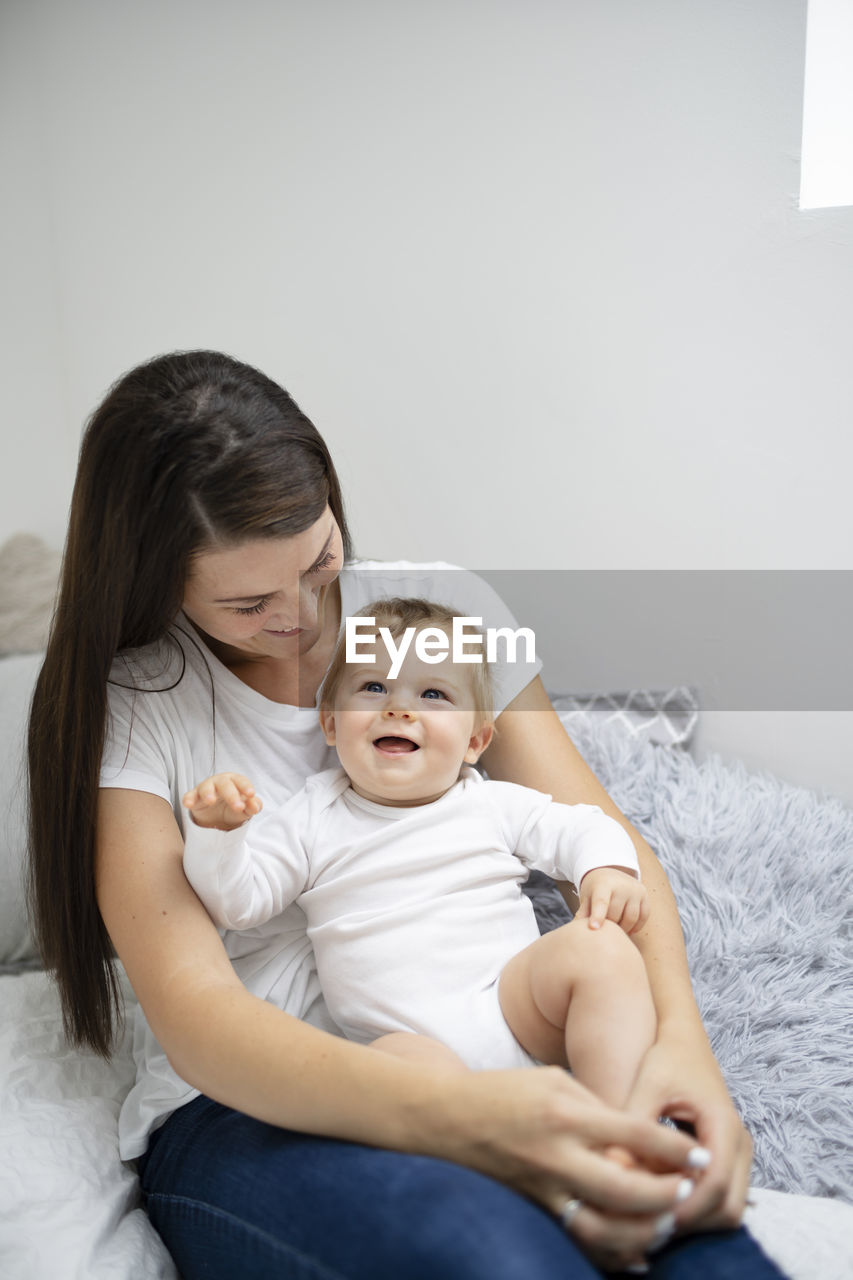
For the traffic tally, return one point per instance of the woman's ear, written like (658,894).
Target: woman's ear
(327,724)
(478,743)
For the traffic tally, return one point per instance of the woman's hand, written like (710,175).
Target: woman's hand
(547,1136)
(679,1075)
(680,1078)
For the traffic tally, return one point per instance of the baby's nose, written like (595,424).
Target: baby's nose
(398,708)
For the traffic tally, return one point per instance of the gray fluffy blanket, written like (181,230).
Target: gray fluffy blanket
(762,872)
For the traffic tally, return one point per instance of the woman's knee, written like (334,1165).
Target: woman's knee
(452,1221)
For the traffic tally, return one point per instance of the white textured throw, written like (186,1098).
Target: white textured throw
(763,874)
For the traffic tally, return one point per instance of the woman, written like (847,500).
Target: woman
(202,591)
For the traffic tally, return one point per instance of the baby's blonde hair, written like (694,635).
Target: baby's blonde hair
(398,614)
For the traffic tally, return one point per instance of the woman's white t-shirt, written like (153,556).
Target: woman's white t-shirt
(177,715)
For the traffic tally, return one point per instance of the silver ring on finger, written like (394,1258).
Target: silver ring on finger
(569,1212)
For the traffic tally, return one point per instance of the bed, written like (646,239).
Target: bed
(762,872)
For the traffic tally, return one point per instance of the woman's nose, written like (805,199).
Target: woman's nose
(284,617)
(296,610)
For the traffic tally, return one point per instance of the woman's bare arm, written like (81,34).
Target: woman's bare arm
(195,1004)
(537,1130)
(680,1075)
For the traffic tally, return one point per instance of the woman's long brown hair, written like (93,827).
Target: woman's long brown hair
(187,450)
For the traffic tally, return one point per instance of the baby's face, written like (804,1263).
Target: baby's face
(404,741)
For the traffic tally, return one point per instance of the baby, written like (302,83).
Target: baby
(409,866)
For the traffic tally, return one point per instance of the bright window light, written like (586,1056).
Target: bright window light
(826,176)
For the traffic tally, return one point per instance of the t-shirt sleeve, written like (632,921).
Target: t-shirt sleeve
(246,876)
(563,840)
(134,757)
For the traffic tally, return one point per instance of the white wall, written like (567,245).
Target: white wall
(535,268)
(812,749)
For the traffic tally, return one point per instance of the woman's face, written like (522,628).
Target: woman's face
(266,597)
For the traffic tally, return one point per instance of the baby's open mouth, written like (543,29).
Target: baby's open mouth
(395,746)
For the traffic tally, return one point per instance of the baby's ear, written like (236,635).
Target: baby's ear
(478,743)
(327,724)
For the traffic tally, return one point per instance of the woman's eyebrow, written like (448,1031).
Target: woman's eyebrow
(262,595)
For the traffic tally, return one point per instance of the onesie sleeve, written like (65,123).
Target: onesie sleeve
(564,840)
(246,876)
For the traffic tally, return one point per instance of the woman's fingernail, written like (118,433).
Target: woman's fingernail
(685,1189)
(664,1231)
(698,1158)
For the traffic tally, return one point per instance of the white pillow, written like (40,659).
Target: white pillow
(29,570)
(17,678)
(667,718)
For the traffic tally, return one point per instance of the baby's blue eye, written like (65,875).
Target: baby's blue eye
(432,694)
(374,686)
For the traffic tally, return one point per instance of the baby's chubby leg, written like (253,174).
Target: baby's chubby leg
(417,1048)
(580,997)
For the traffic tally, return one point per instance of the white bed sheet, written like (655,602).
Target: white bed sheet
(69,1207)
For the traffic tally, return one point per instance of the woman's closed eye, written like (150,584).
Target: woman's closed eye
(254,608)
(326,563)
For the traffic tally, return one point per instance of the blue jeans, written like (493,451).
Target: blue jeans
(234,1199)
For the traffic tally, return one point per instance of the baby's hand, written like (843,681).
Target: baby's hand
(225,801)
(606,893)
